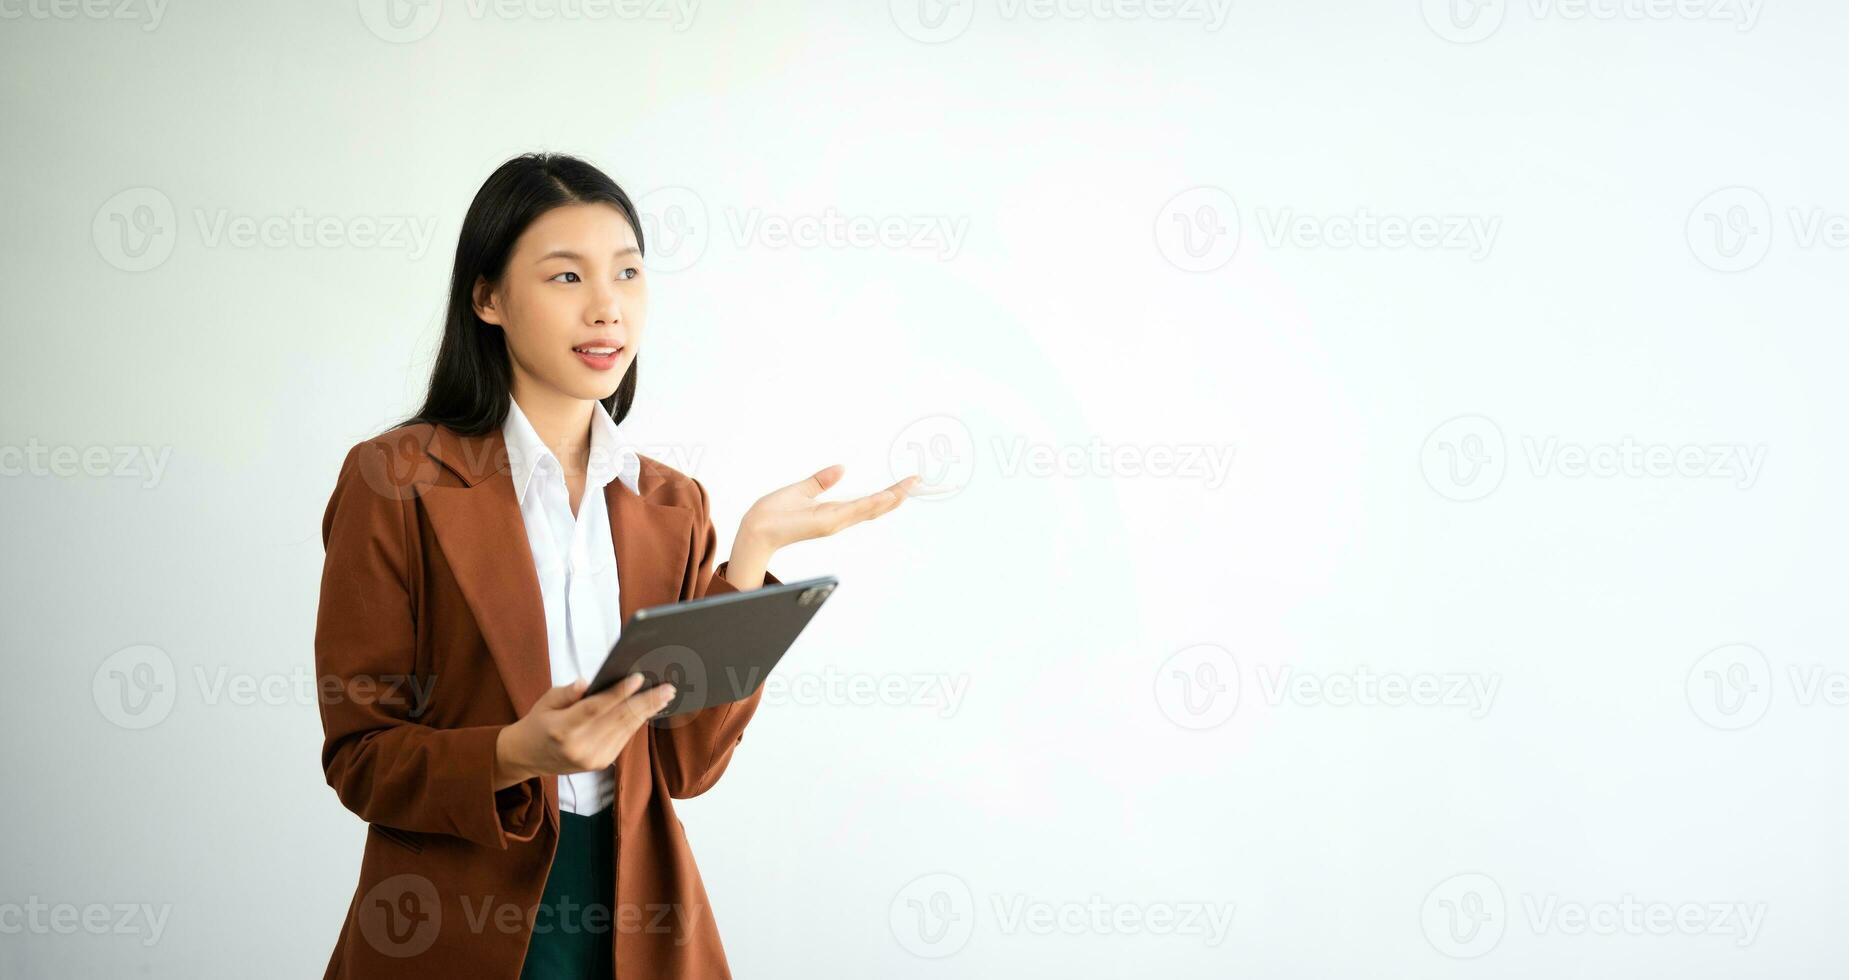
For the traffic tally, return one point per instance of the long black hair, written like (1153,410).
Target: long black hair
(471,383)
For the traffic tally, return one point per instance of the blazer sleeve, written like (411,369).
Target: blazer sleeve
(691,751)
(386,766)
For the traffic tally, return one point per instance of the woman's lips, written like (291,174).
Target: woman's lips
(599,357)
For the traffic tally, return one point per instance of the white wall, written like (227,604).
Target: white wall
(1137,239)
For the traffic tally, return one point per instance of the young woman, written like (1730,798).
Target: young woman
(481,559)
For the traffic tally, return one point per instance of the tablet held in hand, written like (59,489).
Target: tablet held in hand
(714,650)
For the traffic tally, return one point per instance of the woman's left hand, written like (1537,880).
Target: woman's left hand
(793,514)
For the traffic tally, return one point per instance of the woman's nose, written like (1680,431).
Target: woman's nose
(606,308)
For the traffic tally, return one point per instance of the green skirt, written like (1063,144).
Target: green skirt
(573,932)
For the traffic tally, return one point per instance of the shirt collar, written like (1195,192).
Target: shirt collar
(609,458)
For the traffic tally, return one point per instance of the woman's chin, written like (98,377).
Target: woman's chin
(595,388)
(596,394)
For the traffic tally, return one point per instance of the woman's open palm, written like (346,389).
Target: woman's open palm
(794,514)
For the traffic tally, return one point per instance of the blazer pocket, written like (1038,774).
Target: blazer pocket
(399,837)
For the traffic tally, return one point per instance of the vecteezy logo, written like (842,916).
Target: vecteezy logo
(135,230)
(684,668)
(401,21)
(1463,21)
(1730,687)
(674,228)
(1198,687)
(933,915)
(940,450)
(1464,459)
(933,21)
(401,470)
(1464,916)
(401,916)
(1198,229)
(135,687)
(1730,230)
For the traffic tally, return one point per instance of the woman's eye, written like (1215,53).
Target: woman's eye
(573,275)
(631,273)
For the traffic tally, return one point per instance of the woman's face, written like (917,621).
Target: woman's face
(572,301)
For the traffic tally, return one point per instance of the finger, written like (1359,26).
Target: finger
(620,722)
(562,696)
(631,694)
(634,686)
(904,488)
(933,490)
(876,502)
(822,480)
(846,513)
(589,708)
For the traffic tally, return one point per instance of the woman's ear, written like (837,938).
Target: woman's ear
(482,298)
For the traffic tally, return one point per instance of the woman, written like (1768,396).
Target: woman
(481,558)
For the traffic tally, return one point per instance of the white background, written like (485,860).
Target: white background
(1156,259)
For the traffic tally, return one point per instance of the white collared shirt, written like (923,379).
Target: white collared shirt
(576,562)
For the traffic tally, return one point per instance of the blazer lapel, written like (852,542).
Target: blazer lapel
(484,539)
(652,543)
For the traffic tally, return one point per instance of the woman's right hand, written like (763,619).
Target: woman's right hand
(566,732)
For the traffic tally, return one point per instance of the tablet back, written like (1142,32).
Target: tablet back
(713,650)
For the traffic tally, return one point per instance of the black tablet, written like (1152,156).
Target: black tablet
(713,650)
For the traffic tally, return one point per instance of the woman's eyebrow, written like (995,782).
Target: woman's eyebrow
(565,253)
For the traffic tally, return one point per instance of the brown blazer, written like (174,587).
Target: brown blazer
(431,637)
